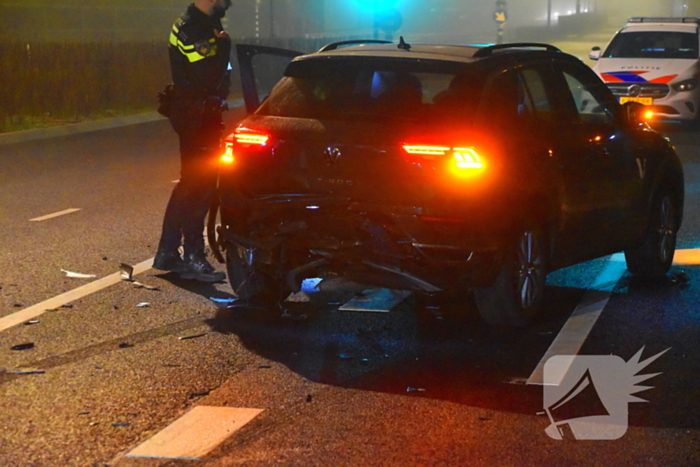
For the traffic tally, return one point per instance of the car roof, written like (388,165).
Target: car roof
(454,53)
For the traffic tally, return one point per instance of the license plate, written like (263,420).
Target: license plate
(641,100)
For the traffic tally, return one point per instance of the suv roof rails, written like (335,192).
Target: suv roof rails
(488,50)
(335,45)
(663,19)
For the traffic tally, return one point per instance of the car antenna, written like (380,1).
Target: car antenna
(403,45)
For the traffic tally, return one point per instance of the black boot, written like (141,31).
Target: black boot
(198,268)
(169,261)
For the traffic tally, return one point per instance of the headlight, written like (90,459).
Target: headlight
(685,85)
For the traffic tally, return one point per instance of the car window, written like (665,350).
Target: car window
(533,100)
(653,44)
(585,98)
(519,97)
(352,90)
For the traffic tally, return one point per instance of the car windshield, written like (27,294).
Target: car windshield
(653,44)
(375,89)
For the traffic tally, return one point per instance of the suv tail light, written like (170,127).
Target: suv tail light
(245,138)
(462,161)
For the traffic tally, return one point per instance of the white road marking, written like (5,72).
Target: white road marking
(196,433)
(55,214)
(39,309)
(576,329)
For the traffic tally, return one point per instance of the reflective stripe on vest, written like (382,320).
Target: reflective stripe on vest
(194,52)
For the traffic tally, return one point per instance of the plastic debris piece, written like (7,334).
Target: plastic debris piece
(78,275)
(375,300)
(298,297)
(126,271)
(310,285)
(223,300)
(143,304)
(194,336)
(25,346)
(345,356)
(27,371)
(31,321)
(125,345)
(140,285)
(680,278)
(410,389)
(84,413)
(264,367)
(120,424)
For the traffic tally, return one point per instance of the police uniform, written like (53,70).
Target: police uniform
(199,62)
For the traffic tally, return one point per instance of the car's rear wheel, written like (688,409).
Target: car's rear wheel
(515,297)
(653,257)
(252,286)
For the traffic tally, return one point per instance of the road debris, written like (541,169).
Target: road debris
(26,371)
(298,297)
(78,275)
(143,304)
(31,321)
(410,389)
(25,346)
(126,271)
(194,336)
(140,285)
(121,424)
(679,278)
(125,345)
(223,300)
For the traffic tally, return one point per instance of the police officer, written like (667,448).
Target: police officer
(199,60)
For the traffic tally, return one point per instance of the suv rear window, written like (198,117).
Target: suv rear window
(653,44)
(360,89)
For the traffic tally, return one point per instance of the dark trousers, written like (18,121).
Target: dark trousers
(194,193)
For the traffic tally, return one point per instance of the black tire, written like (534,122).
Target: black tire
(252,286)
(654,256)
(515,297)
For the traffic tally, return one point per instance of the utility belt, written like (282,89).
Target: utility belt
(174,101)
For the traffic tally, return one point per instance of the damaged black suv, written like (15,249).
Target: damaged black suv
(434,167)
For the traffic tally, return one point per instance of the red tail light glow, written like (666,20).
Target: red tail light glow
(246,136)
(462,160)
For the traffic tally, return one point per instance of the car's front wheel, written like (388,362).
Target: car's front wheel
(653,257)
(515,297)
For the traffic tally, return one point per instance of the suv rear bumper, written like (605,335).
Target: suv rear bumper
(412,248)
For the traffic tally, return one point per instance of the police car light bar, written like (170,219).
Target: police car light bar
(660,19)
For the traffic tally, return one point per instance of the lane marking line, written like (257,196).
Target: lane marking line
(39,309)
(196,433)
(576,329)
(55,214)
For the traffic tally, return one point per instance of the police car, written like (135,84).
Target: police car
(654,61)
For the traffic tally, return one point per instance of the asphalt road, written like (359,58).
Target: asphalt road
(415,386)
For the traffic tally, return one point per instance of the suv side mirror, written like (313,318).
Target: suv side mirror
(594,54)
(635,113)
